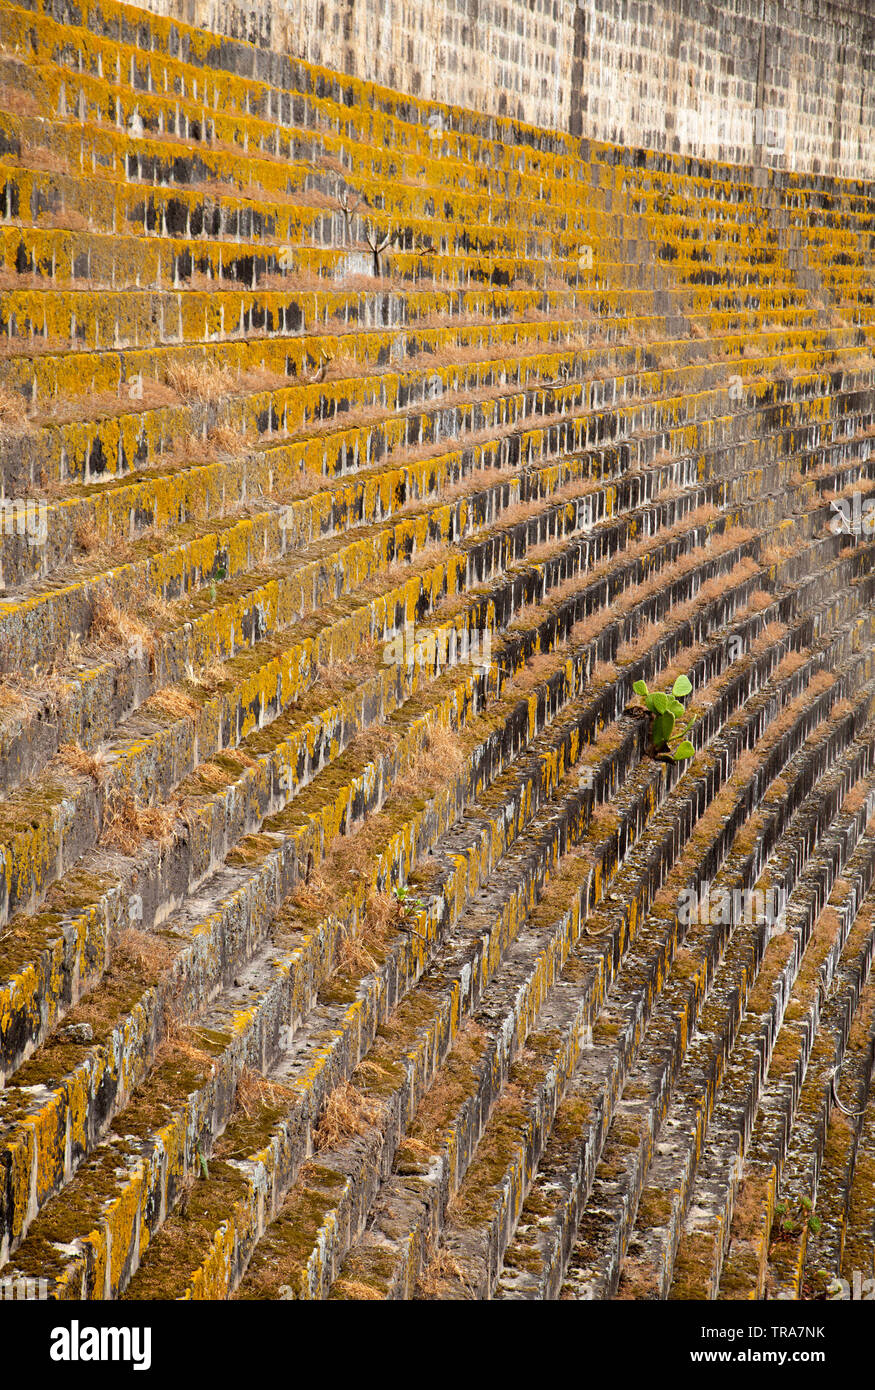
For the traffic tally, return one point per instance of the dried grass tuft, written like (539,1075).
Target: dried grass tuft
(18,101)
(347,1112)
(855,799)
(200,381)
(355,1289)
(113,627)
(147,953)
(438,759)
(439,1270)
(210,678)
(83,763)
(127,822)
(256,1092)
(170,700)
(13,413)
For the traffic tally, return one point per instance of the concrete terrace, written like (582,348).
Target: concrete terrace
(359,455)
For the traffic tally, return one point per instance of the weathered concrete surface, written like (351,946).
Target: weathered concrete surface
(672,75)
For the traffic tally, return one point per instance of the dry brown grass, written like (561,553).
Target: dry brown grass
(214,777)
(298,280)
(538,553)
(644,640)
(28,344)
(239,755)
(200,381)
(349,861)
(34,156)
(751,1207)
(771,635)
(86,536)
(172,701)
(355,1289)
(12,696)
(113,627)
(861,485)
(681,664)
(437,761)
(146,952)
(73,409)
(775,554)
(82,763)
(199,280)
(578,487)
(181,1045)
(603,821)
(127,822)
(439,1270)
(788,664)
(314,894)
(779,726)
(359,952)
(67,220)
(841,709)
(586,628)
(347,1112)
(535,670)
(18,102)
(259,379)
(520,511)
(758,601)
(256,1093)
(336,368)
(301,485)
(824,680)
(222,438)
(713,588)
(354,958)
(210,677)
(855,799)
(602,672)
(14,419)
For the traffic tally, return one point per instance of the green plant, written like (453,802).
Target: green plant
(791,1216)
(406,902)
(666,709)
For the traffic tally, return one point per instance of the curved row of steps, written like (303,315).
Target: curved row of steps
(342,945)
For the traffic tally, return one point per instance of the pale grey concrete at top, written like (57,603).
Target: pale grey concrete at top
(744,65)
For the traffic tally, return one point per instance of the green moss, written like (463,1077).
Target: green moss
(654,1209)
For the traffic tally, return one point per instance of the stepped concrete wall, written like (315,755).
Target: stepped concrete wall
(360,936)
(782,81)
